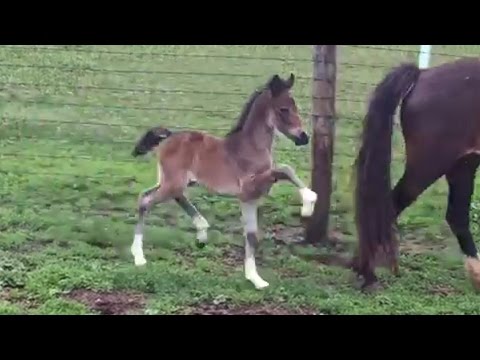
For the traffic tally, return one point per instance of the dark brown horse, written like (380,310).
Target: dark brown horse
(440,119)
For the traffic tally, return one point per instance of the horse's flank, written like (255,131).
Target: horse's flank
(440,119)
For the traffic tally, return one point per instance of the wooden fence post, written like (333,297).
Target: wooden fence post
(323,122)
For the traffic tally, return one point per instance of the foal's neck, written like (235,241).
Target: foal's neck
(258,131)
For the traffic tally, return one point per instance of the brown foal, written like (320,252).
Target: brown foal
(239,164)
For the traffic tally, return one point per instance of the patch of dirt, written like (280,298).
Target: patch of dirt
(12,296)
(110,303)
(287,234)
(227,309)
(292,236)
(415,247)
(233,256)
(184,257)
(444,290)
(290,273)
(342,261)
(34,245)
(340,255)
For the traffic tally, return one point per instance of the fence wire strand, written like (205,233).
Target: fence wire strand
(71,95)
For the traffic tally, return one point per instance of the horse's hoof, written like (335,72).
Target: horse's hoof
(357,281)
(472,265)
(200,245)
(372,287)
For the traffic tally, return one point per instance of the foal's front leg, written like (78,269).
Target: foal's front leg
(249,214)
(309,197)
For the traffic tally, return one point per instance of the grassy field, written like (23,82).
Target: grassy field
(68,189)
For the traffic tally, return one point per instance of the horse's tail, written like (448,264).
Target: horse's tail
(152,138)
(374,206)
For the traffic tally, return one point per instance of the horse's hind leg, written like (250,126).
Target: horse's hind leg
(461,179)
(137,246)
(201,224)
(420,173)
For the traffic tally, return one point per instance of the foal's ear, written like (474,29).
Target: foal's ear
(276,85)
(291,81)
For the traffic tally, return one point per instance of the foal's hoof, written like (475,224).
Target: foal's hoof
(309,199)
(141,261)
(200,244)
(260,284)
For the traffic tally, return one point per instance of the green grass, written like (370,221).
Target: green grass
(68,186)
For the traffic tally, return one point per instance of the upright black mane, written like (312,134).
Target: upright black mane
(244,114)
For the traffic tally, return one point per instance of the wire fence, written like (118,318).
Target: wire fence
(74,112)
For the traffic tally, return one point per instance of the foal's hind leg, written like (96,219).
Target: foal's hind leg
(147,200)
(461,180)
(309,198)
(137,246)
(199,221)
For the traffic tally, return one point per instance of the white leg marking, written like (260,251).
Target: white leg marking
(252,275)
(309,198)
(249,212)
(137,250)
(202,225)
(159,174)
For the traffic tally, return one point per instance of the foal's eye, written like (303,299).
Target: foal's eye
(284,111)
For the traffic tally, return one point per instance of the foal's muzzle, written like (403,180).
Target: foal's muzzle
(302,139)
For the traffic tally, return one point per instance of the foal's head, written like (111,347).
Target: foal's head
(285,117)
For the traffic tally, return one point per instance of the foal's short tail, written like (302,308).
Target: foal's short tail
(150,140)
(374,205)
